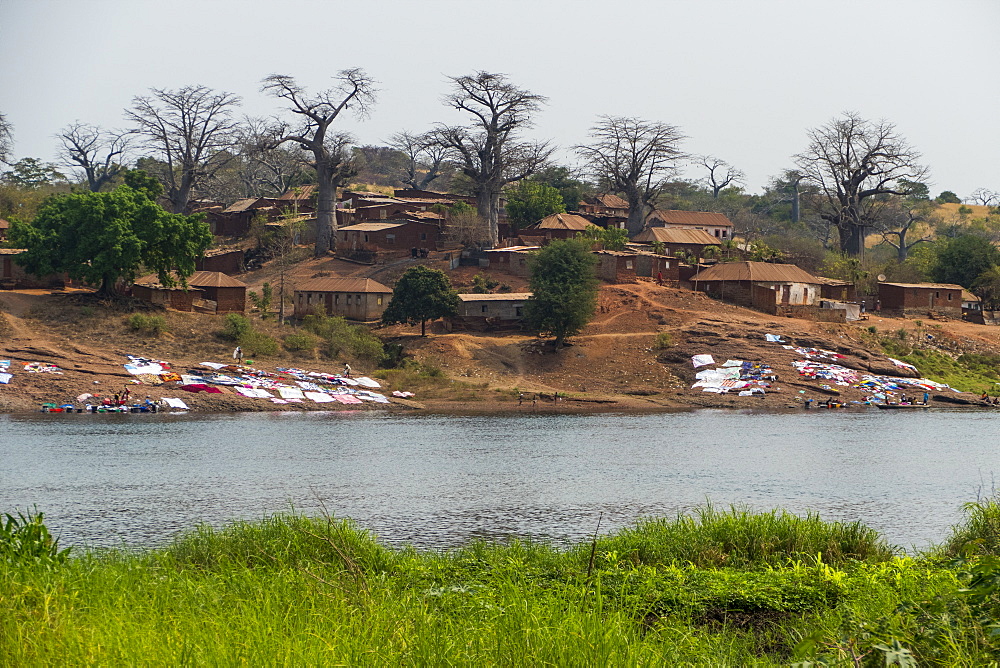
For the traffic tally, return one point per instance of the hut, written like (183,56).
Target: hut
(716,224)
(920,300)
(761,285)
(674,239)
(13,275)
(354,298)
(489,311)
(512,260)
(229,261)
(389,236)
(615,266)
(210,291)
(149,289)
(228,293)
(559,226)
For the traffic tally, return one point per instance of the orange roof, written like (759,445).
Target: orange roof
(199,279)
(688,218)
(611,201)
(562,221)
(670,235)
(298,193)
(764,272)
(337,284)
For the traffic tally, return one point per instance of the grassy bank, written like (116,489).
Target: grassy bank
(715,588)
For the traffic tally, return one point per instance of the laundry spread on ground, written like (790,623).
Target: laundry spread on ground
(702,360)
(41,367)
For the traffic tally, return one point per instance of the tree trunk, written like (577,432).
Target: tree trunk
(487,206)
(796,216)
(423,328)
(852,239)
(326,211)
(636,214)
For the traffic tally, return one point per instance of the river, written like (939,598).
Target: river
(437,481)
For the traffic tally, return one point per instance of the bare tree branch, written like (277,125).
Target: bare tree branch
(983,197)
(488,149)
(6,139)
(635,158)
(315,113)
(720,174)
(853,161)
(98,152)
(193,131)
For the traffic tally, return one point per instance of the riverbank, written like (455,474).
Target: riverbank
(635,356)
(710,588)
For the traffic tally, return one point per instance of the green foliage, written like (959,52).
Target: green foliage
(571,189)
(26,541)
(483,284)
(300,342)
(964,259)
(140,181)
(32,174)
(102,238)
(665,340)
(530,201)
(262,301)
(659,247)
(564,289)
(967,373)
(419,295)
(345,340)
(235,326)
(948,197)
(611,238)
(258,344)
(979,534)
(154,325)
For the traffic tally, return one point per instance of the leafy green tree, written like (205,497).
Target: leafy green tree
(964,259)
(102,238)
(32,173)
(611,238)
(529,201)
(564,289)
(421,294)
(948,197)
(561,178)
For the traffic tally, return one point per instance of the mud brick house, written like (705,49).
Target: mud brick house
(13,275)
(920,300)
(229,261)
(615,266)
(760,285)
(4,229)
(674,239)
(489,311)
(605,210)
(234,221)
(209,291)
(715,224)
(390,236)
(512,260)
(558,226)
(652,265)
(841,291)
(354,298)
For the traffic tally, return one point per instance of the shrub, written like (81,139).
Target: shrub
(979,534)
(25,540)
(147,324)
(342,338)
(664,340)
(300,342)
(256,343)
(235,327)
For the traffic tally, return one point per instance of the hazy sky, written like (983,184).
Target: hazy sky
(743,79)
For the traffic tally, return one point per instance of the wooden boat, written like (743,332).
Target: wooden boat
(896,406)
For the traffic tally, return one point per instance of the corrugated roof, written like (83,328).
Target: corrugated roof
(969,297)
(514,249)
(755,271)
(498,297)
(11,251)
(4,224)
(199,279)
(242,205)
(673,235)
(336,284)
(299,193)
(689,218)
(562,221)
(928,286)
(369,227)
(832,281)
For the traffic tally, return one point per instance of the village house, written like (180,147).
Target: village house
(558,226)
(391,236)
(206,291)
(511,260)
(229,261)
(615,266)
(359,299)
(654,265)
(13,275)
(920,300)
(715,224)
(674,239)
(772,288)
(489,311)
(605,210)
(150,290)
(234,221)
(4,229)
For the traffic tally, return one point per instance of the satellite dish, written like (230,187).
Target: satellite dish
(881,278)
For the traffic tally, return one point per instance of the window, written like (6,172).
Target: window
(390,238)
(485,308)
(336,299)
(519,311)
(723,234)
(949,296)
(628,264)
(357,300)
(937,294)
(300,299)
(379,301)
(309,298)
(366,238)
(348,300)
(717,233)
(423,236)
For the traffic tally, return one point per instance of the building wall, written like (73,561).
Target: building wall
(230,263)
(363,306)
(13,275)
(228,300)
(180,300)
(919,302)
(616,268)
(402,238)
(512,309)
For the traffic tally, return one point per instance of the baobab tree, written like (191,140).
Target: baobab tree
(316,113)
(192,131)
(422,152)
(634,157)
(853,161)
(98,152)
(489,150)
(720,174)
(984,197)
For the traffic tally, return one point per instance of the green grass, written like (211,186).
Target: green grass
(967,373)
(720,588)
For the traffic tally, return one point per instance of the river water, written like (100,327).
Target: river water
(437,481)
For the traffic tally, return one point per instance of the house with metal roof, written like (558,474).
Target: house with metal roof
(359,299)
(675,239)
(391,236)
(716,224)
(558,226)
(920,300)
(482,312)
(760,285)
(210,291)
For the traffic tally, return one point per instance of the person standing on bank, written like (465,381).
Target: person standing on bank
(347,370)
(238,355)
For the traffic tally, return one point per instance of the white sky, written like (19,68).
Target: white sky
(743,79)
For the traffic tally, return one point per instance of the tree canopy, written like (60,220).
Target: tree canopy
(530,201)
(421,294)
(964,259)
(102,238)
(564,289)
